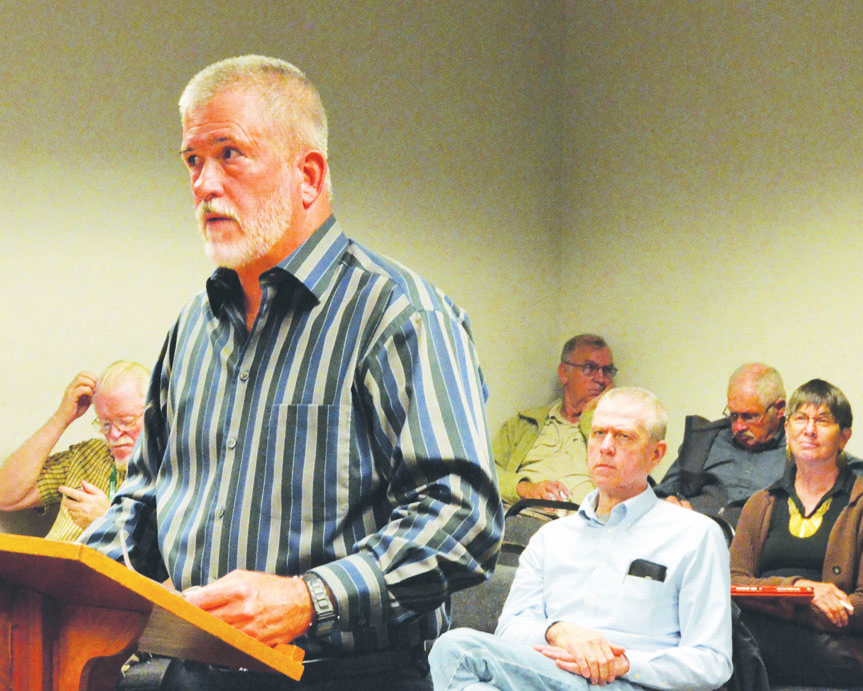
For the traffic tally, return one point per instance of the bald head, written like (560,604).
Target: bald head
(756,405)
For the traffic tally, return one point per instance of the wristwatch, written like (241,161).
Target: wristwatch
(325,612)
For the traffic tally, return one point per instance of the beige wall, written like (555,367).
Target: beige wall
(714,204)
(445,152)
(681,177)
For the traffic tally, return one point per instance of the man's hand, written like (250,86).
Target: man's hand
(831,600)
(77,397)
(273,609)
(84,505)
(547,489)
(678,501)
(584,652)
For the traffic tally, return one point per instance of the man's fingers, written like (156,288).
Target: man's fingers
(70,493)
(90,488)
(209,597)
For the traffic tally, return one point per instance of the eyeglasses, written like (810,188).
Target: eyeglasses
(589,369)
(123,424)
(801,420)
(746,418)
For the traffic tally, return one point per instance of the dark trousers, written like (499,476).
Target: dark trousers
(384,671)
(799,655)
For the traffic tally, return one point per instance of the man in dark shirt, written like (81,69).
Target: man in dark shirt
(721,464)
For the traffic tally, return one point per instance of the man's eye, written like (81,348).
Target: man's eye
(230,152)
(191,160)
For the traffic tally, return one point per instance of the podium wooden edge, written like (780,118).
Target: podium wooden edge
(285,659)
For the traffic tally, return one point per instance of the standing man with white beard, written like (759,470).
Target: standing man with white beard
(316,455)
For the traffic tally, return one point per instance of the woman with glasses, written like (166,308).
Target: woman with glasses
(806,529)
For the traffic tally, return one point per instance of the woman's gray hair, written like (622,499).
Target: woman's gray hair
(818,392)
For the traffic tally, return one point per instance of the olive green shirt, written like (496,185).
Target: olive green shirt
(540,444)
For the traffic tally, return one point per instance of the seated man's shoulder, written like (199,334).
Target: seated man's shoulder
(95,449)
(536,414)
(698,423)
(678,521)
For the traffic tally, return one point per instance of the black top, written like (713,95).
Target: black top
(785,554)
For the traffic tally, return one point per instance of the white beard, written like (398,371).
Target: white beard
(258,234)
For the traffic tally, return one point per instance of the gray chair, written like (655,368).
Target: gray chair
(480,606)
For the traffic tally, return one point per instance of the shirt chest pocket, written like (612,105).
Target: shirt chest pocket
(308,458)
(645,604)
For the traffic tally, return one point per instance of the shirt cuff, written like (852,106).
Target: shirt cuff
(639,666)
(359,593)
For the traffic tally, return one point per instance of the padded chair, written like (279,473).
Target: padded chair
(526,516)
(725,526)
(480,606)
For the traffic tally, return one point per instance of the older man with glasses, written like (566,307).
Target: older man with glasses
(84,477)
(721,464)
(541,453)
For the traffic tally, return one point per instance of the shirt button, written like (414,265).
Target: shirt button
(244,375)
(232,443)
(220,513)
(837,570)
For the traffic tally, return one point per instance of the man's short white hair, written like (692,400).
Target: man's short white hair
(121,370)
(654,418)
(766,379)
(289,98)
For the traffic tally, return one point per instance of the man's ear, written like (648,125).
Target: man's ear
(313,167)
(658,453)
(561,373)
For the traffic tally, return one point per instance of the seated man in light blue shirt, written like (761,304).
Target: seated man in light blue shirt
(631,591)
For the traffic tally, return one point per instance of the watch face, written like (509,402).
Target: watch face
(325,614)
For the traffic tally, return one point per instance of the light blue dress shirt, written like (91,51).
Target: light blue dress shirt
(677,632)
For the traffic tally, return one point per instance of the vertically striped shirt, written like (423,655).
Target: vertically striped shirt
(344,433)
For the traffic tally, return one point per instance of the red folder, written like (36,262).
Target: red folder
(805,593)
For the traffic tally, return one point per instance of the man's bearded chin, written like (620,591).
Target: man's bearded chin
(254,238)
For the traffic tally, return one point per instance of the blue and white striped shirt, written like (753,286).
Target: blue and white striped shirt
(346,433)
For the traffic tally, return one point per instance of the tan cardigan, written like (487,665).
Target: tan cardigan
(843,563)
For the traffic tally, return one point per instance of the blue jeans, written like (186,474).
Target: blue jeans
(473,660)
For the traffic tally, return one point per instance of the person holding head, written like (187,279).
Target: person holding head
(611,595)
(84,477)
(315,466)
(721,464)
(541,453)
(806,529)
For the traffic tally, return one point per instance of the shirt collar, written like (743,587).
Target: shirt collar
(625,513)
(844,481)
(311,266)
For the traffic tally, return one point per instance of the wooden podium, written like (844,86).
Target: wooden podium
(70,617)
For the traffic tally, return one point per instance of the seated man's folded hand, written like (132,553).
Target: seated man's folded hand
(584,652)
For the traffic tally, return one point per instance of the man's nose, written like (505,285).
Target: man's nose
(114,432)
(607,445)
(207,182)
